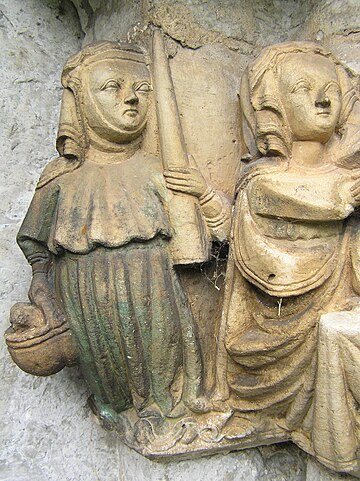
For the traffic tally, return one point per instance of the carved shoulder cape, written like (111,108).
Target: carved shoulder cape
(99,204)
(287,227)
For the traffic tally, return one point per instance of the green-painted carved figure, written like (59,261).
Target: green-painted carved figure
(97,236)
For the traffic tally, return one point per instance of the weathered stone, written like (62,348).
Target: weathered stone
(336,25)
(44,421)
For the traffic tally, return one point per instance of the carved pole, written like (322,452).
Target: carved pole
(190,243)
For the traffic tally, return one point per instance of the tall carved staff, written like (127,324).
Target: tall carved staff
(190,243)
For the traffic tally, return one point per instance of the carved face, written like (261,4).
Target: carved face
(311,96)
(116,98)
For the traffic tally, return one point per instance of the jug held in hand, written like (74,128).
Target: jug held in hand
(105,292)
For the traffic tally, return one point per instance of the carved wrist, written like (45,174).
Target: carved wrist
(207,196)
(39,263)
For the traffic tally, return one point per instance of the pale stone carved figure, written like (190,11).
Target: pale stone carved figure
(97,235)
(110,225)
(295,255)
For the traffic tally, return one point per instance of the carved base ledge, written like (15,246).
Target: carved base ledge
(167,440)
(194,435)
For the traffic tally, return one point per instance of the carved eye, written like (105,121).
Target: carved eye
(301,86)
(143,87)
(332,87)
(111,84)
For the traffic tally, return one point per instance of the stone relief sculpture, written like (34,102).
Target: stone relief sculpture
(97,235)
(294,255)
(111,224)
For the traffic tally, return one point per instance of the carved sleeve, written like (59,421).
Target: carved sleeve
(35,231)
(37,255)
(305,198)
(216,209)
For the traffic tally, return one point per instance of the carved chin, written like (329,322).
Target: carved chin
(123,131)
(132,124)
(132,129)
(318,133)
(324,132)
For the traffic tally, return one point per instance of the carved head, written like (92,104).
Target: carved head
(115,98)
(106,94)
(293,91)
(310,95)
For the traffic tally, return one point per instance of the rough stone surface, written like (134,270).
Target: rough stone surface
(336,24)
(317,472)
(47,431)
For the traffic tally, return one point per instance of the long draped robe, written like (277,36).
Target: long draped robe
(294,257)
(106,231)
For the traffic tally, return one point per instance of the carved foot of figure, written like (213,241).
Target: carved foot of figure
(199,405)
(152,411)
(106,415)
(220,406)
(178,411)
(236,427)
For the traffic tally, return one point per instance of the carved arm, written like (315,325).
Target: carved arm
(41,291)
(215,206)
(308,198)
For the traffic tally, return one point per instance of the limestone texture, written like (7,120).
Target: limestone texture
(47,430)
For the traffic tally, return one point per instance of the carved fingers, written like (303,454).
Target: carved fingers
(355,189)
(187,180)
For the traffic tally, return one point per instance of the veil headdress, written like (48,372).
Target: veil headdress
(264,129)
(72,138)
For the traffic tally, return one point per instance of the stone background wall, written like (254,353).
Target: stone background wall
(46,430)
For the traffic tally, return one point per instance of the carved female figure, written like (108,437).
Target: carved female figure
(294,253)
(97,234)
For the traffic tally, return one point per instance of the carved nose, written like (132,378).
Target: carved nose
(131,98)
(323,102)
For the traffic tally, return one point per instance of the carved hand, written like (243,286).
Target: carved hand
(188,180)
(355,189)
(41,295)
